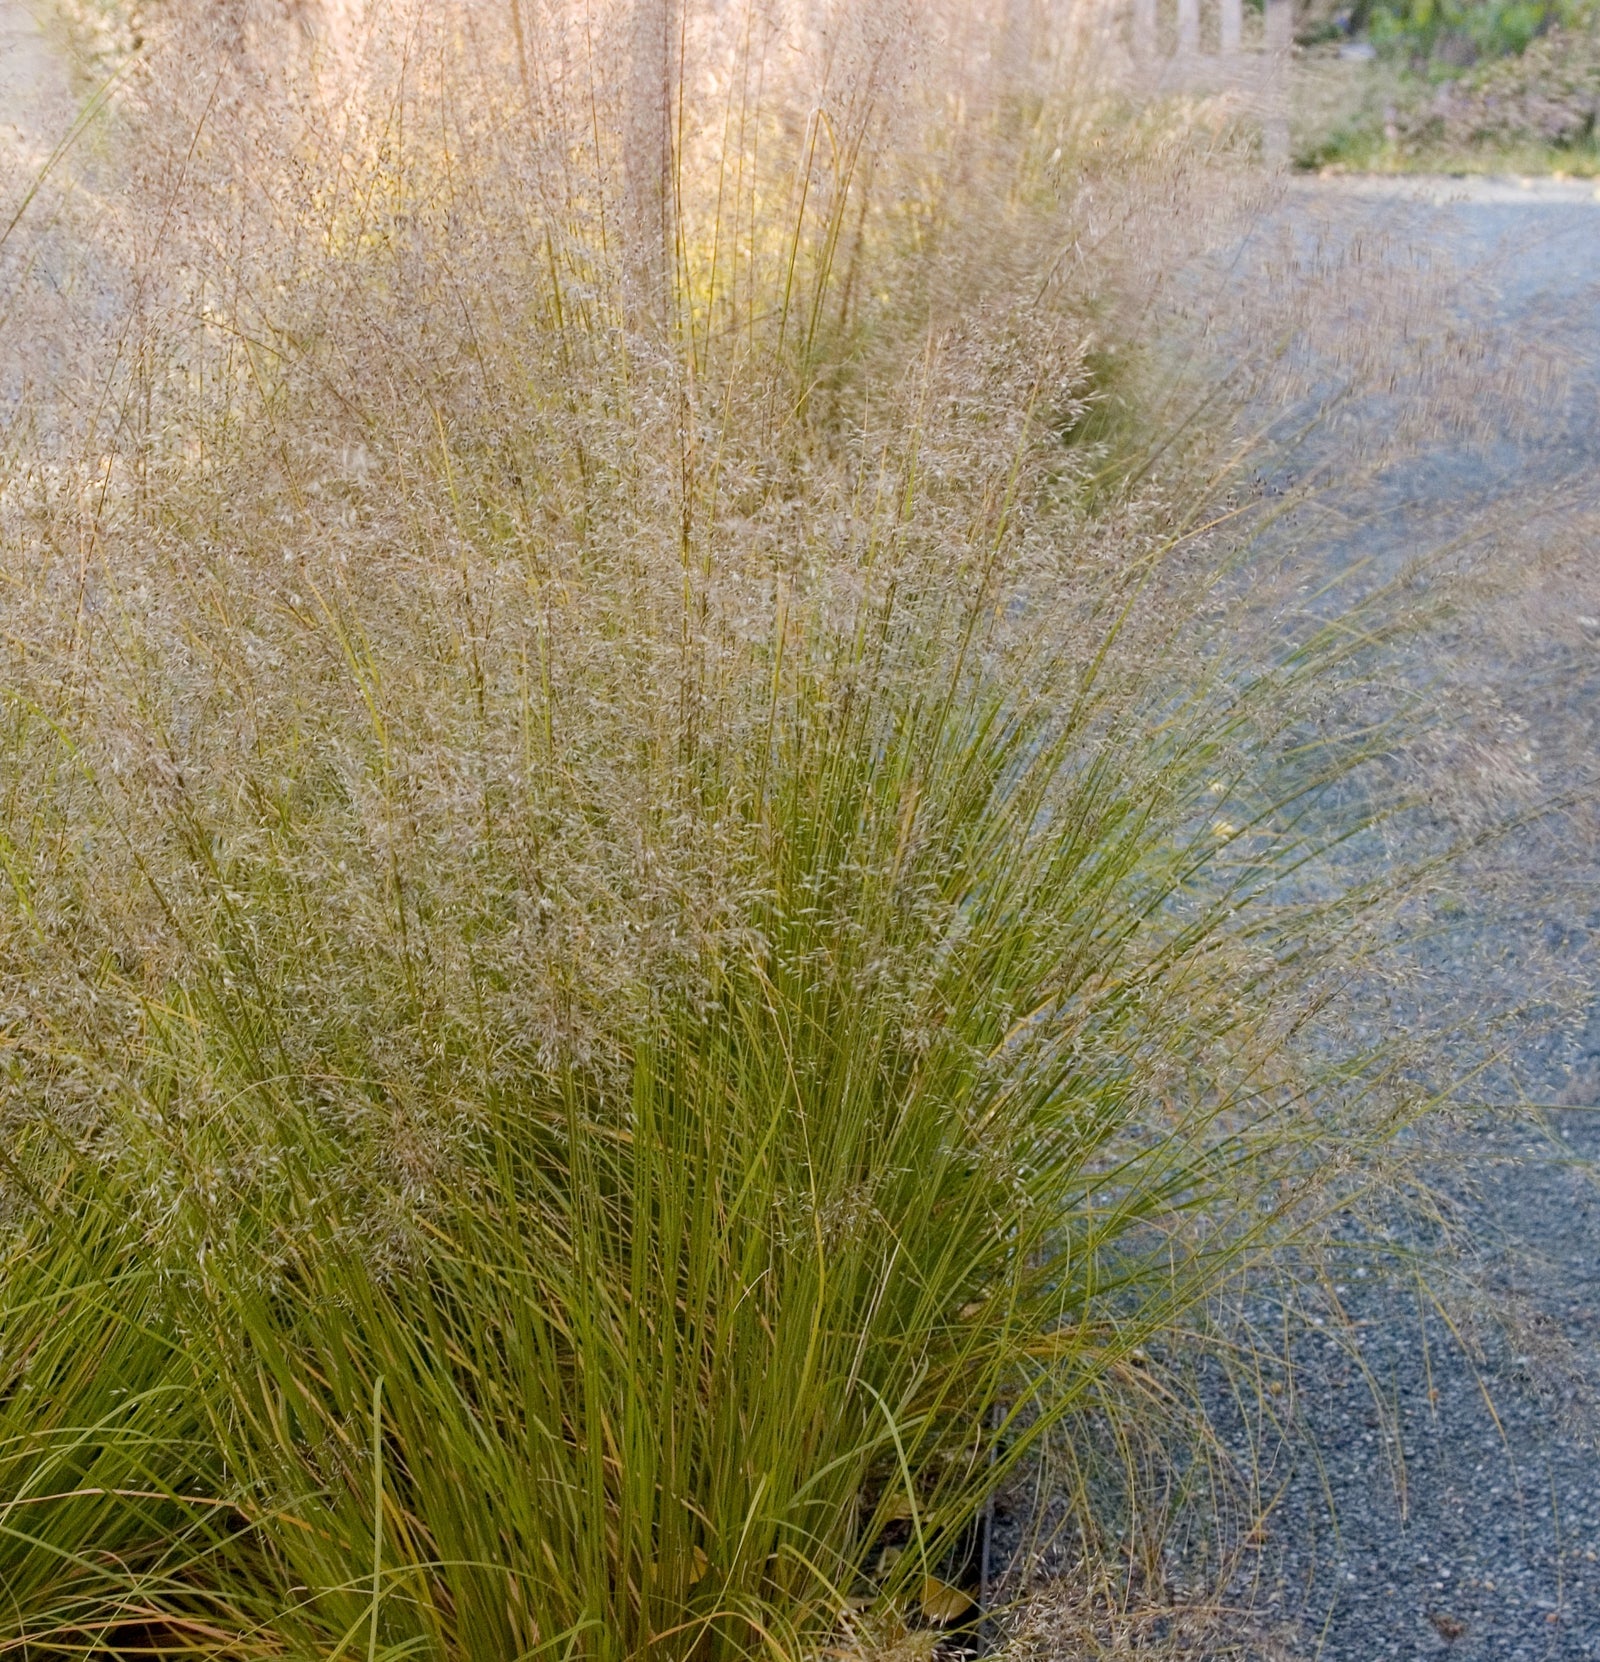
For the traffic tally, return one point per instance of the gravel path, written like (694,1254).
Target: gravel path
(33,89)
(41,269)
(1439,1491)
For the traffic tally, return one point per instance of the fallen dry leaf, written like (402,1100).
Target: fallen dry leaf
(943,1604)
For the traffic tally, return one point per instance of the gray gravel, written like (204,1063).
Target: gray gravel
(1439,1484)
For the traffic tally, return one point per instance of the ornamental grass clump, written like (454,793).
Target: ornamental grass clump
(661,908)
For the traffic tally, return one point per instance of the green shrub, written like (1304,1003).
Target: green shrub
(1485,28)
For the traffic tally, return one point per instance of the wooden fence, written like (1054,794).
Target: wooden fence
(1237,47)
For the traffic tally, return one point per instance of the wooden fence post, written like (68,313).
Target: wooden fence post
(648,160)
(1015,42)
(1145,45)
(1279,38)
(1188,32)
(1280,26)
